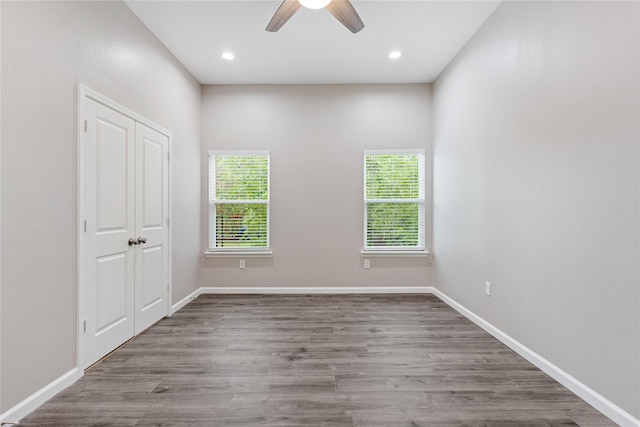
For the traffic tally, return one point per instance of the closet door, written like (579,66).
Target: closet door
(151,225)
(124,253)
(109,190)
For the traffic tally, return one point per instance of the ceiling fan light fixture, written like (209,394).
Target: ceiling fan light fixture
(314,4)
(228,56)
(342,10)
(395,54)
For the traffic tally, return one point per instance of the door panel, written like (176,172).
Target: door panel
(111,292)
(112,177)
(152,259)
(152,263)
(109,210)
(153,155)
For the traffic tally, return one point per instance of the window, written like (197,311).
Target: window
(238,201)
(394,198)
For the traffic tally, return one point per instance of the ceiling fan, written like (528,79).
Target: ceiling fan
(342,10)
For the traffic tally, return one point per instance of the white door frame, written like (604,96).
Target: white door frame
(83,93)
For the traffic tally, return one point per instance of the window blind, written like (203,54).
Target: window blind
(394,200)
(238,201)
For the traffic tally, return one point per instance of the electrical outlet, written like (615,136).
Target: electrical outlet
(367,263)
(241,263)
(487,288)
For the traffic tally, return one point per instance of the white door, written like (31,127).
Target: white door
(126,207)
(110,215)
(151,263)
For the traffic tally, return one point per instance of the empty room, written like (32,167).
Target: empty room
(320,213)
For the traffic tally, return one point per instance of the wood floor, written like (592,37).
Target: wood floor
(344,360)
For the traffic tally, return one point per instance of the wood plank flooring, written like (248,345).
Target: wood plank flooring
(319,360)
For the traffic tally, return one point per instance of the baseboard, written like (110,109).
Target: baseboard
(184,301)
(320,290)
(25,407)
(602,404)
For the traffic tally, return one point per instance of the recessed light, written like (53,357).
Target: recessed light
(228,56)
(395,54)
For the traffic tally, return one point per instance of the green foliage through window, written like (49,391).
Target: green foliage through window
(392,224)
(394,200)
(242,177)
(238,199)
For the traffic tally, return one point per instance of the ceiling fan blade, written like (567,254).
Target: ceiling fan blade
(282,15)
(345,13)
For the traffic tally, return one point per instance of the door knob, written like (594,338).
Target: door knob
(132,242)
(142,240)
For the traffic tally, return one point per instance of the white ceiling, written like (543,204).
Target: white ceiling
(313,47)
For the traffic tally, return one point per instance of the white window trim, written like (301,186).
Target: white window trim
(397,251)
(384,253)
(238,253)
(254,251)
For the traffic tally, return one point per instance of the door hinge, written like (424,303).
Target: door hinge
(85,125)
(167,286)
(168,157)
(85,225)
(168,222)
(84,326)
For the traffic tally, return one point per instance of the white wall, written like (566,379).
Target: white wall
(536,185)
(47,48)
(316,136)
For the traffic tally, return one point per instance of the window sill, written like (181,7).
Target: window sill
(393,254)
(239,254)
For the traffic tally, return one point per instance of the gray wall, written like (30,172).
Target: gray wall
(316,136)
(536,185)
(47,48)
